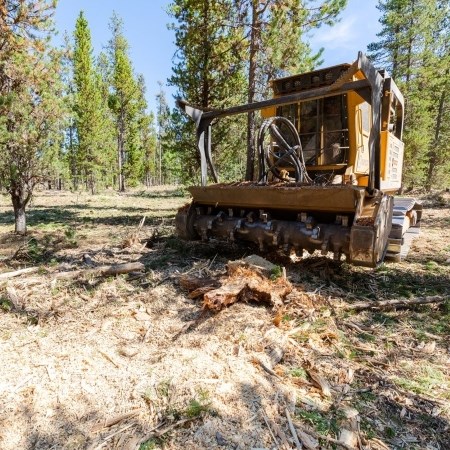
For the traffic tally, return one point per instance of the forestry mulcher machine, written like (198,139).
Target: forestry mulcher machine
(330,156)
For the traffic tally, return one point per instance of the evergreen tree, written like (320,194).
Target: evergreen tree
(164,145)
(414,46)
(275,31)
(229,49)
(125,103)
(208,72)
(31,110)
(91,117)
(149,144)
(438,161)
(134,163)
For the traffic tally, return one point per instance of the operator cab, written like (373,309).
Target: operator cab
(334,130)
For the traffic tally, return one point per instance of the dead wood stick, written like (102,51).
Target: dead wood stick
(115,269)
(267,369)
(114,434)
(266,419)
(109,358)
(397,303)
(319,436)
(157,431)
(141,223)
(16,273)
(115,420)
(293,431)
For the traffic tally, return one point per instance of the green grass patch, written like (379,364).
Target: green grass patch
(431,266)
(195,408)
(151,444)
(276,272)
(5,304)
(367,397)
(367,337)
(423,380)
(298,372)
(315,418)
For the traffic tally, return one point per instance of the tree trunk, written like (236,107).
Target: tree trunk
(92,183)
(19,214)
(73,164)
(254,46)
(432,162)
(121,151)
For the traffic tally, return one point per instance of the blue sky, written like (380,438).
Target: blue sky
(151,43)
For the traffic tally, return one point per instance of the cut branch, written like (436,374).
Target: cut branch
(115,269)
(397,303)
(16,273)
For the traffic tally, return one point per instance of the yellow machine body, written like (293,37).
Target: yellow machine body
(330,156)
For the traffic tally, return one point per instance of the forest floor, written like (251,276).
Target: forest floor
(131,362)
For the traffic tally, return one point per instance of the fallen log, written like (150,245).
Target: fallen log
(114,269)
(397,303)
(16,273)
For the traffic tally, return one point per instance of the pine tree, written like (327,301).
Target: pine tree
(134,164)
(31,110)
(164,145)
(208,72)
(91,118)
(414,46)
(438,163)
(275,30)
(149,144)
(124,101)
(229,49)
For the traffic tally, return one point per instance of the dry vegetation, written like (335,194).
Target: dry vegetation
(132,362)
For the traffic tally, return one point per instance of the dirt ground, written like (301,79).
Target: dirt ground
(131,362)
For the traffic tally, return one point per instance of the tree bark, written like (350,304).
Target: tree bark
(20,197)
(121,151)
(20,218)
(115,269)
(433,160)
(16,273)
(254,46)
(396,303)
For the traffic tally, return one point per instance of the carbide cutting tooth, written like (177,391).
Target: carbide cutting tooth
(261,245)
